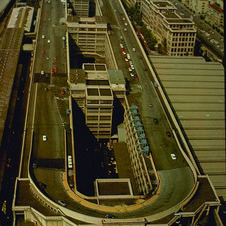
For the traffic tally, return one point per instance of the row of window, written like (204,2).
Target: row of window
(183,34)
(96,132)
(95,118)
(90,110)
(183,39)
(183,44)
(181,49)
(99,101)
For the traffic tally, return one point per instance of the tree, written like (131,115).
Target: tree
(159,48)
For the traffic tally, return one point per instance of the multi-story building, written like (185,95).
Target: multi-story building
(132,3)
(93,88)
(215,15)
(138,148)
(176,34)
(87,34)
(201,6)
(81,7)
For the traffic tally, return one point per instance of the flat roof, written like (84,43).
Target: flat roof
(94,67)
(195,89)
(116,76)
(178,20)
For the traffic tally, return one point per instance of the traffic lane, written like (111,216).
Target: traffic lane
(147,85)
(115,37)
(42,43)
(47,122)
(177,185)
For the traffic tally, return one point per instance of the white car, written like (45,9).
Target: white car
(49,41)
(44,138)
(61,202)
(173,156)
(42,72)
(43,36)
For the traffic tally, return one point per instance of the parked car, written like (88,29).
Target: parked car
(156,121)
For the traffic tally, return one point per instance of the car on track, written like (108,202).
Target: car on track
(110,216)
(173,156)
(168,133)
(62,203)
(44,137)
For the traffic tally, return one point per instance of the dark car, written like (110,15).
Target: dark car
(110,216)
(156,120)
(42,185)
(168,134)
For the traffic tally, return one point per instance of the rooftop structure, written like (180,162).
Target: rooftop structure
(215,15)
(176,34)
(93,89)
(195,89)
(81,7)
(10,47)
(89,34)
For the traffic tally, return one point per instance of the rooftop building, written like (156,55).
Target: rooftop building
(176,34)
(89,34)
(195,89)
(215,15)
(81,7)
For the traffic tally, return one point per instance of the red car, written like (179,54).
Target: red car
(43,52)
(55,69)
(62,92)
(56,58)
(168,134)
(52,71)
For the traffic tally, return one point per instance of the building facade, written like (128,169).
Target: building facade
(176,34)
(138,149)
(94,89)
(215,15)
(201,6)
(87,34)
(81,7)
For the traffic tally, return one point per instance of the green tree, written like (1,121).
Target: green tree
(159,48)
